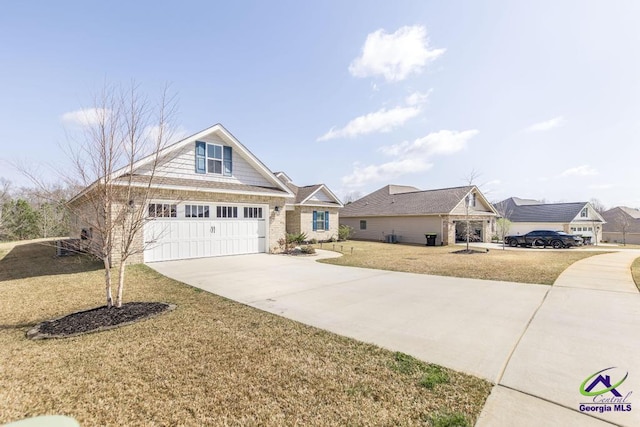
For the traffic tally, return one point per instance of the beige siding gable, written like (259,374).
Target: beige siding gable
(480,207)
(320,196)
(181,164)
(592,215)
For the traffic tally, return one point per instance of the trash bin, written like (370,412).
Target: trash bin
(431,239)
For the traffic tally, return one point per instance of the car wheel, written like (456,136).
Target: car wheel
(557,244)
(539,243)
(513,243)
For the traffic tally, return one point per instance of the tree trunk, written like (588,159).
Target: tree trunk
(107,282)
(120,285)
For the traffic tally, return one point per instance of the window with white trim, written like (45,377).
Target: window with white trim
(226,211)
(214,158)
(584,213)
(162,210)
(196,211)
(363,224)
(251,212)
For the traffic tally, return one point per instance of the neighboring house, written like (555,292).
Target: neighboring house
(313,210)
(211,196)
(409,213)
(575,218)
(623,225)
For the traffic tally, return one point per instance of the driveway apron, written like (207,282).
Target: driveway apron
(590,321)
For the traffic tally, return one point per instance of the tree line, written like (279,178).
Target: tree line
(29,213)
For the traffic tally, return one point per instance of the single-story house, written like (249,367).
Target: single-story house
(578,218)
(211,196)
(313,210)
(407,213)
(623,225)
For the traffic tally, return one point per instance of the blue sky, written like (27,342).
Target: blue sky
(541,98)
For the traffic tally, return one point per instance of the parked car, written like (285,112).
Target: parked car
(542,238)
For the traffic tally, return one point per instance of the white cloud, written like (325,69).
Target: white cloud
(381,121)
(546,125)
(418,98)
(411,157)
(396,55)
(441,142)
(152,133)
(584,170)
(85,117)
(362,175)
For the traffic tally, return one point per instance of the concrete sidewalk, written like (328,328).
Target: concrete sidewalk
(588,322)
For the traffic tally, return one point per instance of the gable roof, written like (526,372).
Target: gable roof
(303,194)
(393,200)
(120,175)
(633,213)
(622,217)
(527,210)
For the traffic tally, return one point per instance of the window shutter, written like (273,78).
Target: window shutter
(326,220)
(201,157)
(315,220)
(227,170)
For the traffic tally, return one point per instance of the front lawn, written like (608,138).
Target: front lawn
(635,272)
(542,266)
(211,361)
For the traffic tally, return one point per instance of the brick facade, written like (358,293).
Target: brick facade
(300,220)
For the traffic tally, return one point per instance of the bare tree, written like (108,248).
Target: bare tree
(5,190)
(352,196)
(597,205)
(132,215)
(622,221)
(120,129)
(469,202)
(5,197)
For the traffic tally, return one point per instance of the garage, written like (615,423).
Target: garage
(197,230)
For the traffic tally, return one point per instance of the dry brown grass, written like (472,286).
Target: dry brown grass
(210,362)
(541,266)
(635,272)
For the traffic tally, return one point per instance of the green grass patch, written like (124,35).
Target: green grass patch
(428,375)
(455,419)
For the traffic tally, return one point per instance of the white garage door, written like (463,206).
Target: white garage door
(181,238)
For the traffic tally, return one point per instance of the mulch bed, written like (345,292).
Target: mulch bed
(470,251)
(97,319)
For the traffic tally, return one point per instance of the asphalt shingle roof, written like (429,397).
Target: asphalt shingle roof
(403,200)
(301,192)
(621,217)
(525,210)
(202,185)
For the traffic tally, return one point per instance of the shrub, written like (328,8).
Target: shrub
(313,241)
(298,238)
(344,232)
(307,250)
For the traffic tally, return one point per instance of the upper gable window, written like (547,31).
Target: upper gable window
(584,213)
(214,158)
(471,200)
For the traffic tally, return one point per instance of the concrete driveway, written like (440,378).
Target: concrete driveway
(536,343)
